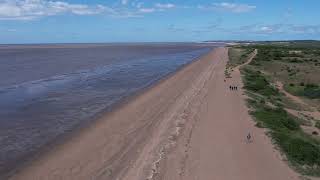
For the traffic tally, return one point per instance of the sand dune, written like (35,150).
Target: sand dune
(189,126)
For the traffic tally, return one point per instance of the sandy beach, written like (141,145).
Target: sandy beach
(188,126)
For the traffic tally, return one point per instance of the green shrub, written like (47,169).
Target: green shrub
(259,125)
(276,119)
(317,125)
(255,81)
(294,90)
(312,91)
(297,149)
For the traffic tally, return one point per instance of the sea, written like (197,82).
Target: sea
(48,90)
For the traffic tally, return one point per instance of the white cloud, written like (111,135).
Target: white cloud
(266,29)
(165,6)
(305,29)
(12,30)
(158,7)
(31,9)
(229,7)
(271,29)
(147,10)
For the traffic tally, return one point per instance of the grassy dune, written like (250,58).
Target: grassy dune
(297,66)
(238,56)
(301,149)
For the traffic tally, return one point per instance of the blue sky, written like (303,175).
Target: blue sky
(74,21)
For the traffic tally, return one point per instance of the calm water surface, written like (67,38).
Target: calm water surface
(47,90)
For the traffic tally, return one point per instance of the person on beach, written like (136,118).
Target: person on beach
(249,138)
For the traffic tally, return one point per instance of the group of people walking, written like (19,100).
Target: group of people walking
(249,136)
(233,88)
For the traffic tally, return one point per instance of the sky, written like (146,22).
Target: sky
(90,21)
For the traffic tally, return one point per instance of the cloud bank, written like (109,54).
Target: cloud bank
(31,9)
(229,7)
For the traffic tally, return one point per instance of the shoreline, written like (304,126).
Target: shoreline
(71,134)
(187,126)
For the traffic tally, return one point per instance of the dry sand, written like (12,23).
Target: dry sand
(189,126)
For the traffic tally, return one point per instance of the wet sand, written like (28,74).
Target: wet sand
(188,126)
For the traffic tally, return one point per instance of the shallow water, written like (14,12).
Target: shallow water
(47,90)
